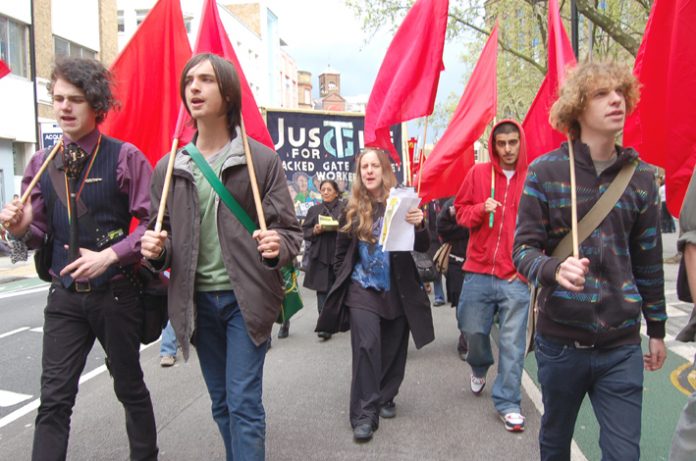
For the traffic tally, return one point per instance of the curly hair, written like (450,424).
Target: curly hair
(228,84)
(361,203)
(90,76)
(578,87)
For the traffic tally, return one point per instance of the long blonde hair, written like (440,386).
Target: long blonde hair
(361,203)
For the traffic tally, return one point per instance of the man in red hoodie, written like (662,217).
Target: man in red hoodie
(487,205)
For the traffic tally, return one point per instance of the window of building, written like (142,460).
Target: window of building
(187,23)
(307,96)
(140,16)
(14,50)
(121,23)
(64,47)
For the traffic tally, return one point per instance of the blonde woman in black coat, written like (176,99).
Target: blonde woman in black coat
(377,294)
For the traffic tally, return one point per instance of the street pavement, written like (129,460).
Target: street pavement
(306,388)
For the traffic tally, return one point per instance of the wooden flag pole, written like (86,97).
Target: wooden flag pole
(421,157)
(252,179)
(573,199)
(165,188)
(37,176)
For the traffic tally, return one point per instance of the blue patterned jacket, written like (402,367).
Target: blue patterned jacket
(625,251)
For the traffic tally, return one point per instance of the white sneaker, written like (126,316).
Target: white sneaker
(477,384)
(514,422)
(167,361)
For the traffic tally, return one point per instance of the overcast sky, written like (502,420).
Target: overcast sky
(320,33)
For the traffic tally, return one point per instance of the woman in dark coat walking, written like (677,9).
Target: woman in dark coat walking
(319,274)
(457,236)
(377,294)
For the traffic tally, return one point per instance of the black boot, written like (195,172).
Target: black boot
(284,330)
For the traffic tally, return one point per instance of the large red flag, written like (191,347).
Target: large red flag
(4,68)
(212,38)
(407,81)
(447,165)
(146,81)
(662,126)
(541,137)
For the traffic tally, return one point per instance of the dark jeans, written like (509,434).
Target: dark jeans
(379,363)
(232,367)
(72,321)
(613,379)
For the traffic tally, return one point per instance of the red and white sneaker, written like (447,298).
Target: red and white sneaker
(514,422)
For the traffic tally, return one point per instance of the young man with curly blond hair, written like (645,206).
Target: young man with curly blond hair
(588,332)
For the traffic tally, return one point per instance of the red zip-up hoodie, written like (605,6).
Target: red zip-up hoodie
(490,248)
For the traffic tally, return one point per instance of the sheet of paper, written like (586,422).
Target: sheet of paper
(397,234)
(328,223)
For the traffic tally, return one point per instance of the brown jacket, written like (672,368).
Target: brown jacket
(257,285)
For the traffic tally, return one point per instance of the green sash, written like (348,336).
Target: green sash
(292,302)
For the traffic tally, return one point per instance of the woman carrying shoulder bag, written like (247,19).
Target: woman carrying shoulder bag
(377,293)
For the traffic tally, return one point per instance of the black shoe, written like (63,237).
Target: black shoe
(324,335)
(363,432)
(388,410)
(284,330)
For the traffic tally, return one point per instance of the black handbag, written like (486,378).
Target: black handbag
(152,290)
(425,266)
(43,258)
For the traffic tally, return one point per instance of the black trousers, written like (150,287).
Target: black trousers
(379,348)
(72,321)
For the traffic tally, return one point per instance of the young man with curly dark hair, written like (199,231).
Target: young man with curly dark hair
(89,297)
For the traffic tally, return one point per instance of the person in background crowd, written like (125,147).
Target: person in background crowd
(684,440)
(168,346)
(225,284)
(432,210)
(381,292)
(492,285)
(666,219)
(89,297)
(450,232)
(588,338)
(320,274)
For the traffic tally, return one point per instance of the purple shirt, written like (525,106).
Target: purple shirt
(133,174)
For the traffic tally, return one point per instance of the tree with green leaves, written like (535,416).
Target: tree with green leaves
(607,28)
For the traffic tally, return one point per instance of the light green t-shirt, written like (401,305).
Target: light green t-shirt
(211,274)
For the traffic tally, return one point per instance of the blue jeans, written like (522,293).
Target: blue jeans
(232,367)
(437,289)
(168,345)
(613,379)
(482,297)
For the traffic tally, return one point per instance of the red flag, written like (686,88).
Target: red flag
(447,165)
(661,128)
(146,81)
(407,81)
(541,137)
(4,68)
(212,38)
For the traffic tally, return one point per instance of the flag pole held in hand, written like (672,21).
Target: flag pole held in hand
(252,178)
(37,176)
(573,199)
(165,188)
